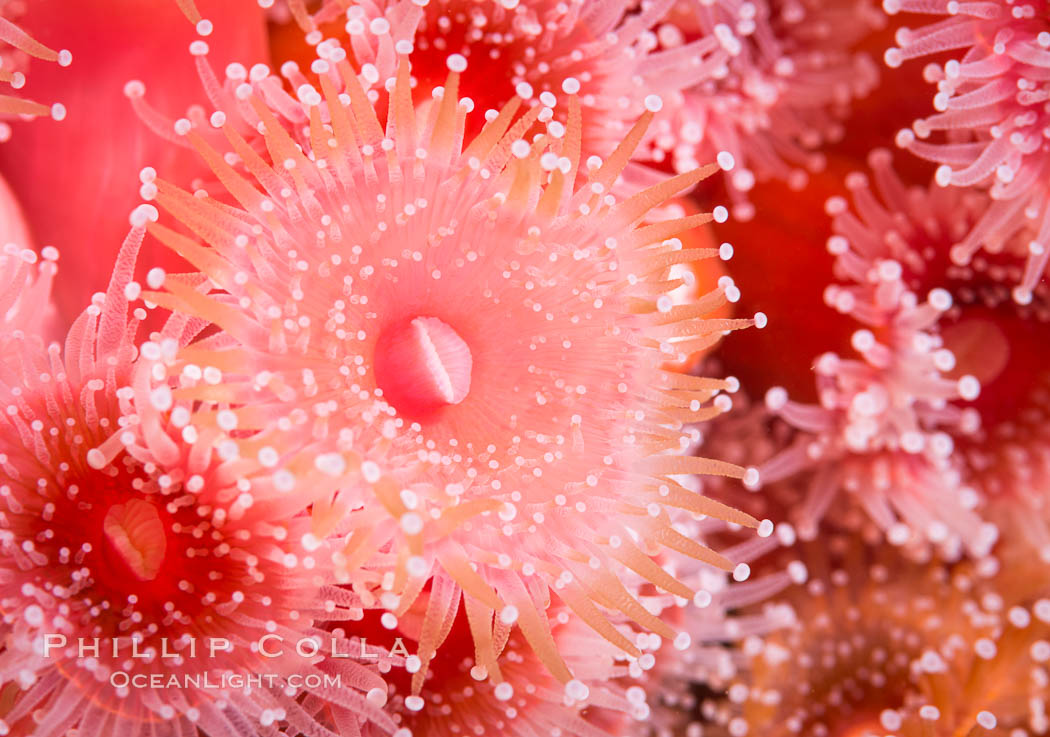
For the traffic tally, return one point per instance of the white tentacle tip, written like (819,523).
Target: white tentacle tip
(905,137)
(134,88)
(940,299)
(457,63)
(1022,295)
(143,214)
(570,86)
(752,478)
(969,387)
(155,277)
(987,720)
(96,459)
(776,398)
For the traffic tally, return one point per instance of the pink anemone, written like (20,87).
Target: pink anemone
(467,336)
(786,74)
(447,691)
(991,128)
(882,644)
(766,83)
(530,48)
(135,547)
(885,426)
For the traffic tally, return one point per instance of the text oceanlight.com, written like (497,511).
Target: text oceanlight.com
(180,650)
(223,681)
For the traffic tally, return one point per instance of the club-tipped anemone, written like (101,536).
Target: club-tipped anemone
(788,71)
(883,429)
(535,451)
(991,121)
(723,623)
(448,691)
(977,393)
(759,83)
(133,551)
(882,644)
(16,48)
(607,54)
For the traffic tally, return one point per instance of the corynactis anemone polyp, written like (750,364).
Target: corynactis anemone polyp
(133,550)
(531,47)
(993,442)
(996,95)
(15,46)
(449,692)
(716,634)
(885,645)
(882,429)
(535,451)
(787,74)
(764,82)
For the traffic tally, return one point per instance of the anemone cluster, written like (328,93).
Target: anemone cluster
(424,392)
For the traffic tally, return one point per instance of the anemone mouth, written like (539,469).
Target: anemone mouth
(422,365)
(106,521)
(115,541)
(980,346)
(135,532)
